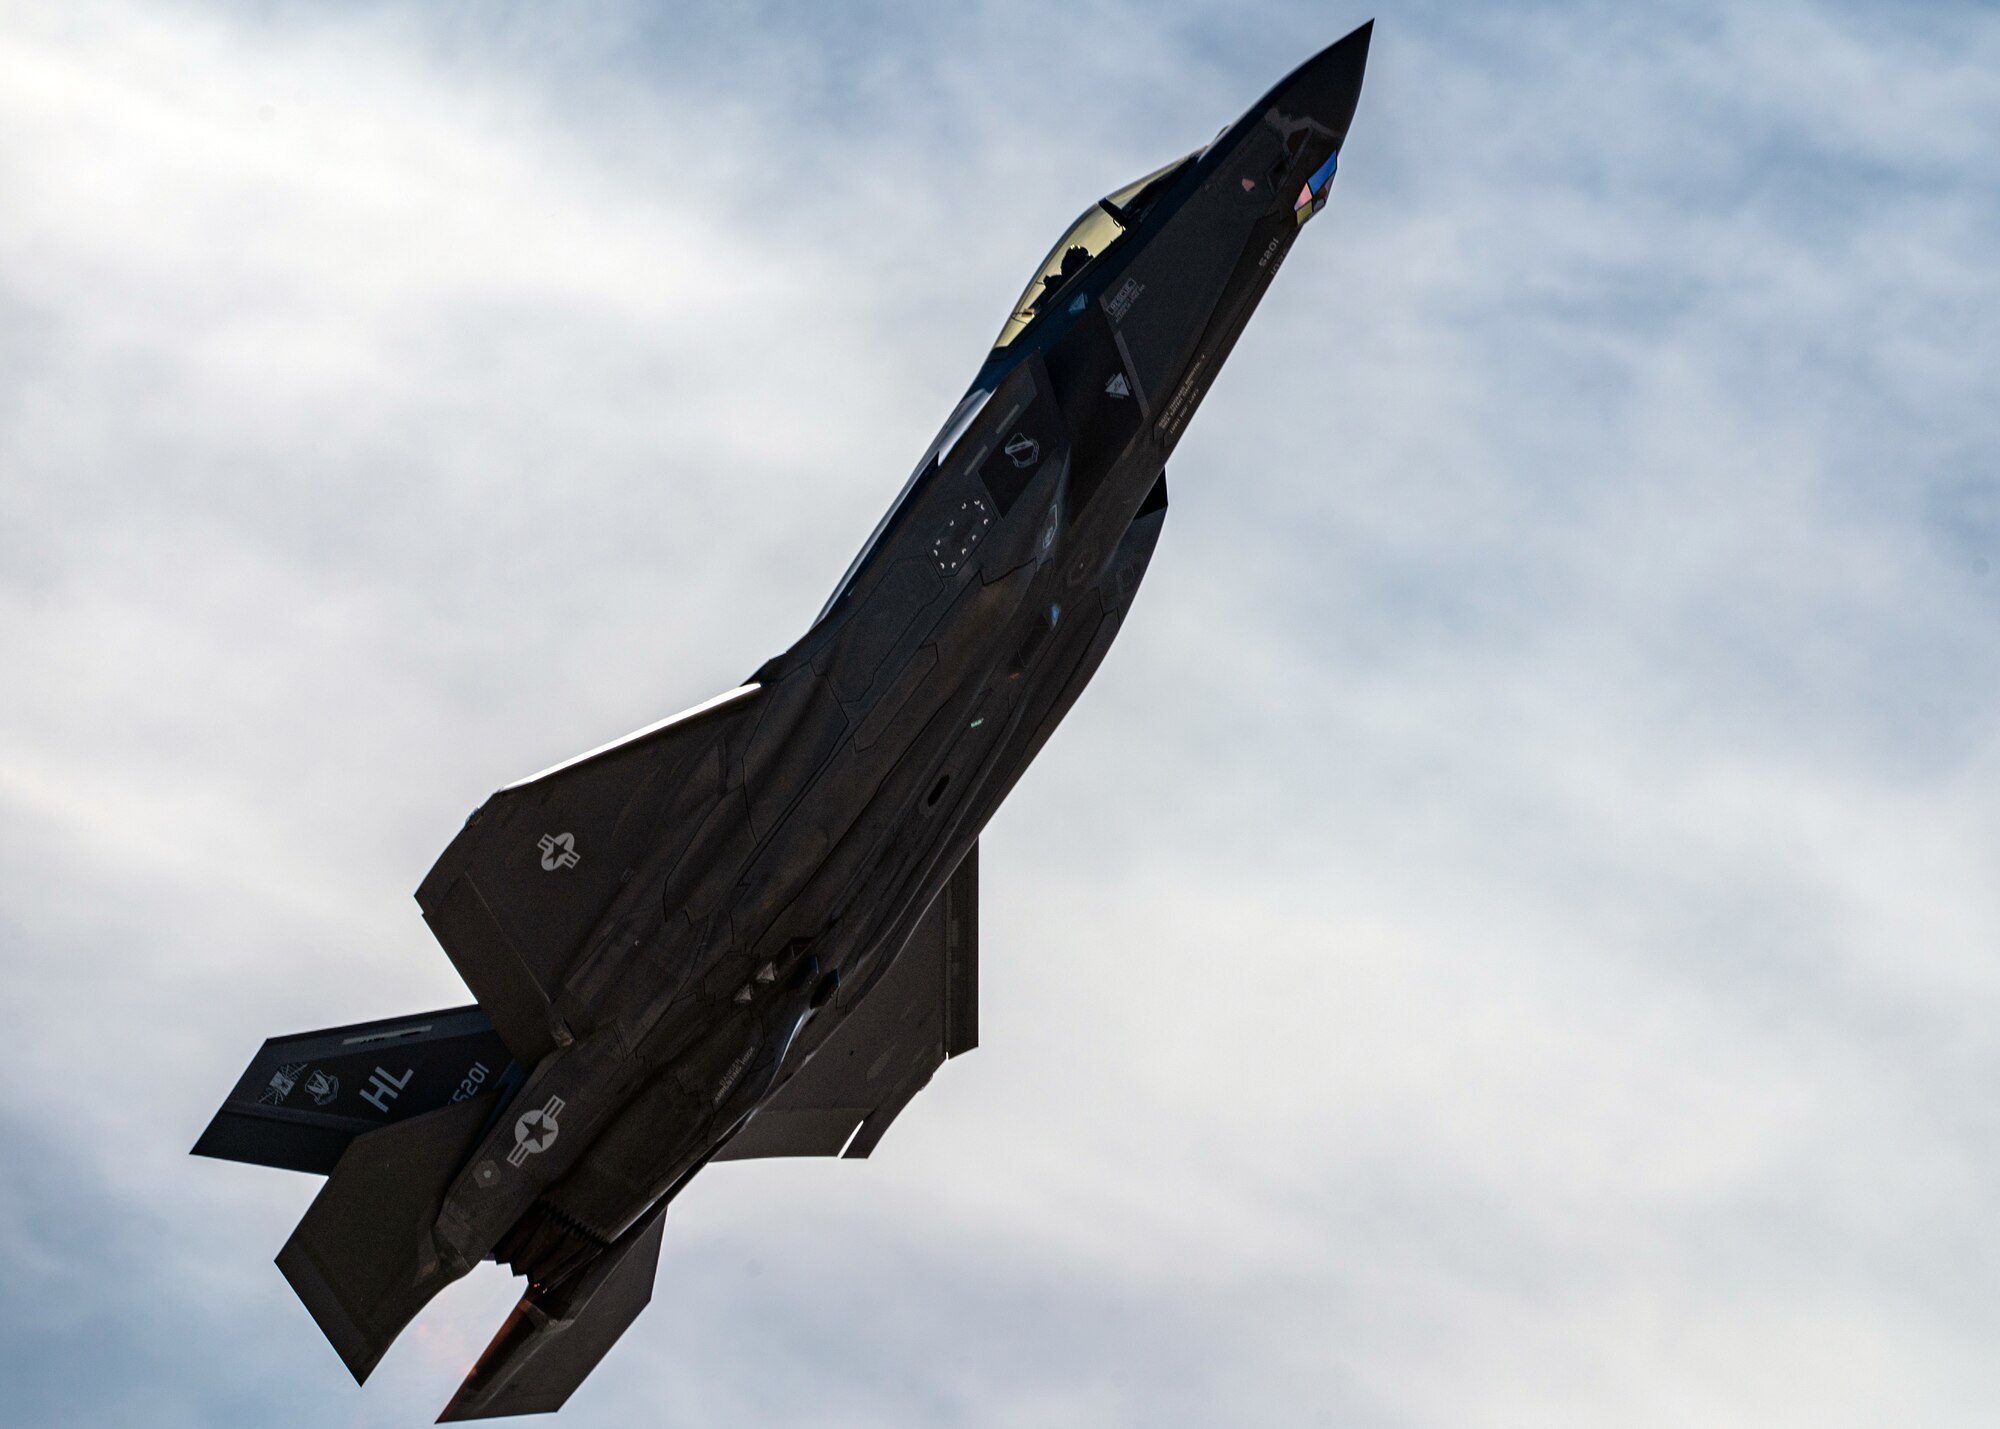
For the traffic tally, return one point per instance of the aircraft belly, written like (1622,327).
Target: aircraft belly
(909,678)
(569,1097)
(861,652)
(814,839)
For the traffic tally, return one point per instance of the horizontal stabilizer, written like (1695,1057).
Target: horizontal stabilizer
(553,1340)
(364,1258)
(305,1097)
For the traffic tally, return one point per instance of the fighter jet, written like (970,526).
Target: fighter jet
(752,929)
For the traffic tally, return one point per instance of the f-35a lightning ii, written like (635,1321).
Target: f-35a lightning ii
(752,929)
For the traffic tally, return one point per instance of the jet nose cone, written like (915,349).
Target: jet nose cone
(1327,86)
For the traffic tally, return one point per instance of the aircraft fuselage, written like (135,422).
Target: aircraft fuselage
(674,935)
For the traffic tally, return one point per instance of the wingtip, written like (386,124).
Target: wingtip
(359,1351)
(450,1414)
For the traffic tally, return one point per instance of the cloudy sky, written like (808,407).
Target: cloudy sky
(1511,940)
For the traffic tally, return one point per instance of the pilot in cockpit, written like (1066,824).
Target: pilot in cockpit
(1073,260)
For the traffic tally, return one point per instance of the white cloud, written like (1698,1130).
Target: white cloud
(1508,938)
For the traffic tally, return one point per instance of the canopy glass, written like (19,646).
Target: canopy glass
(1097,229)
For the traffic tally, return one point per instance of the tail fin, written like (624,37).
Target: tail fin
(554,1339)
(305,1097)
(365,1258)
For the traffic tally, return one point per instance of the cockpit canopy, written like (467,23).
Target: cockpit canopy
(1098,228)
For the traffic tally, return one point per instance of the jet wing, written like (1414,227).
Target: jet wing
(921,1011)
(532,872)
